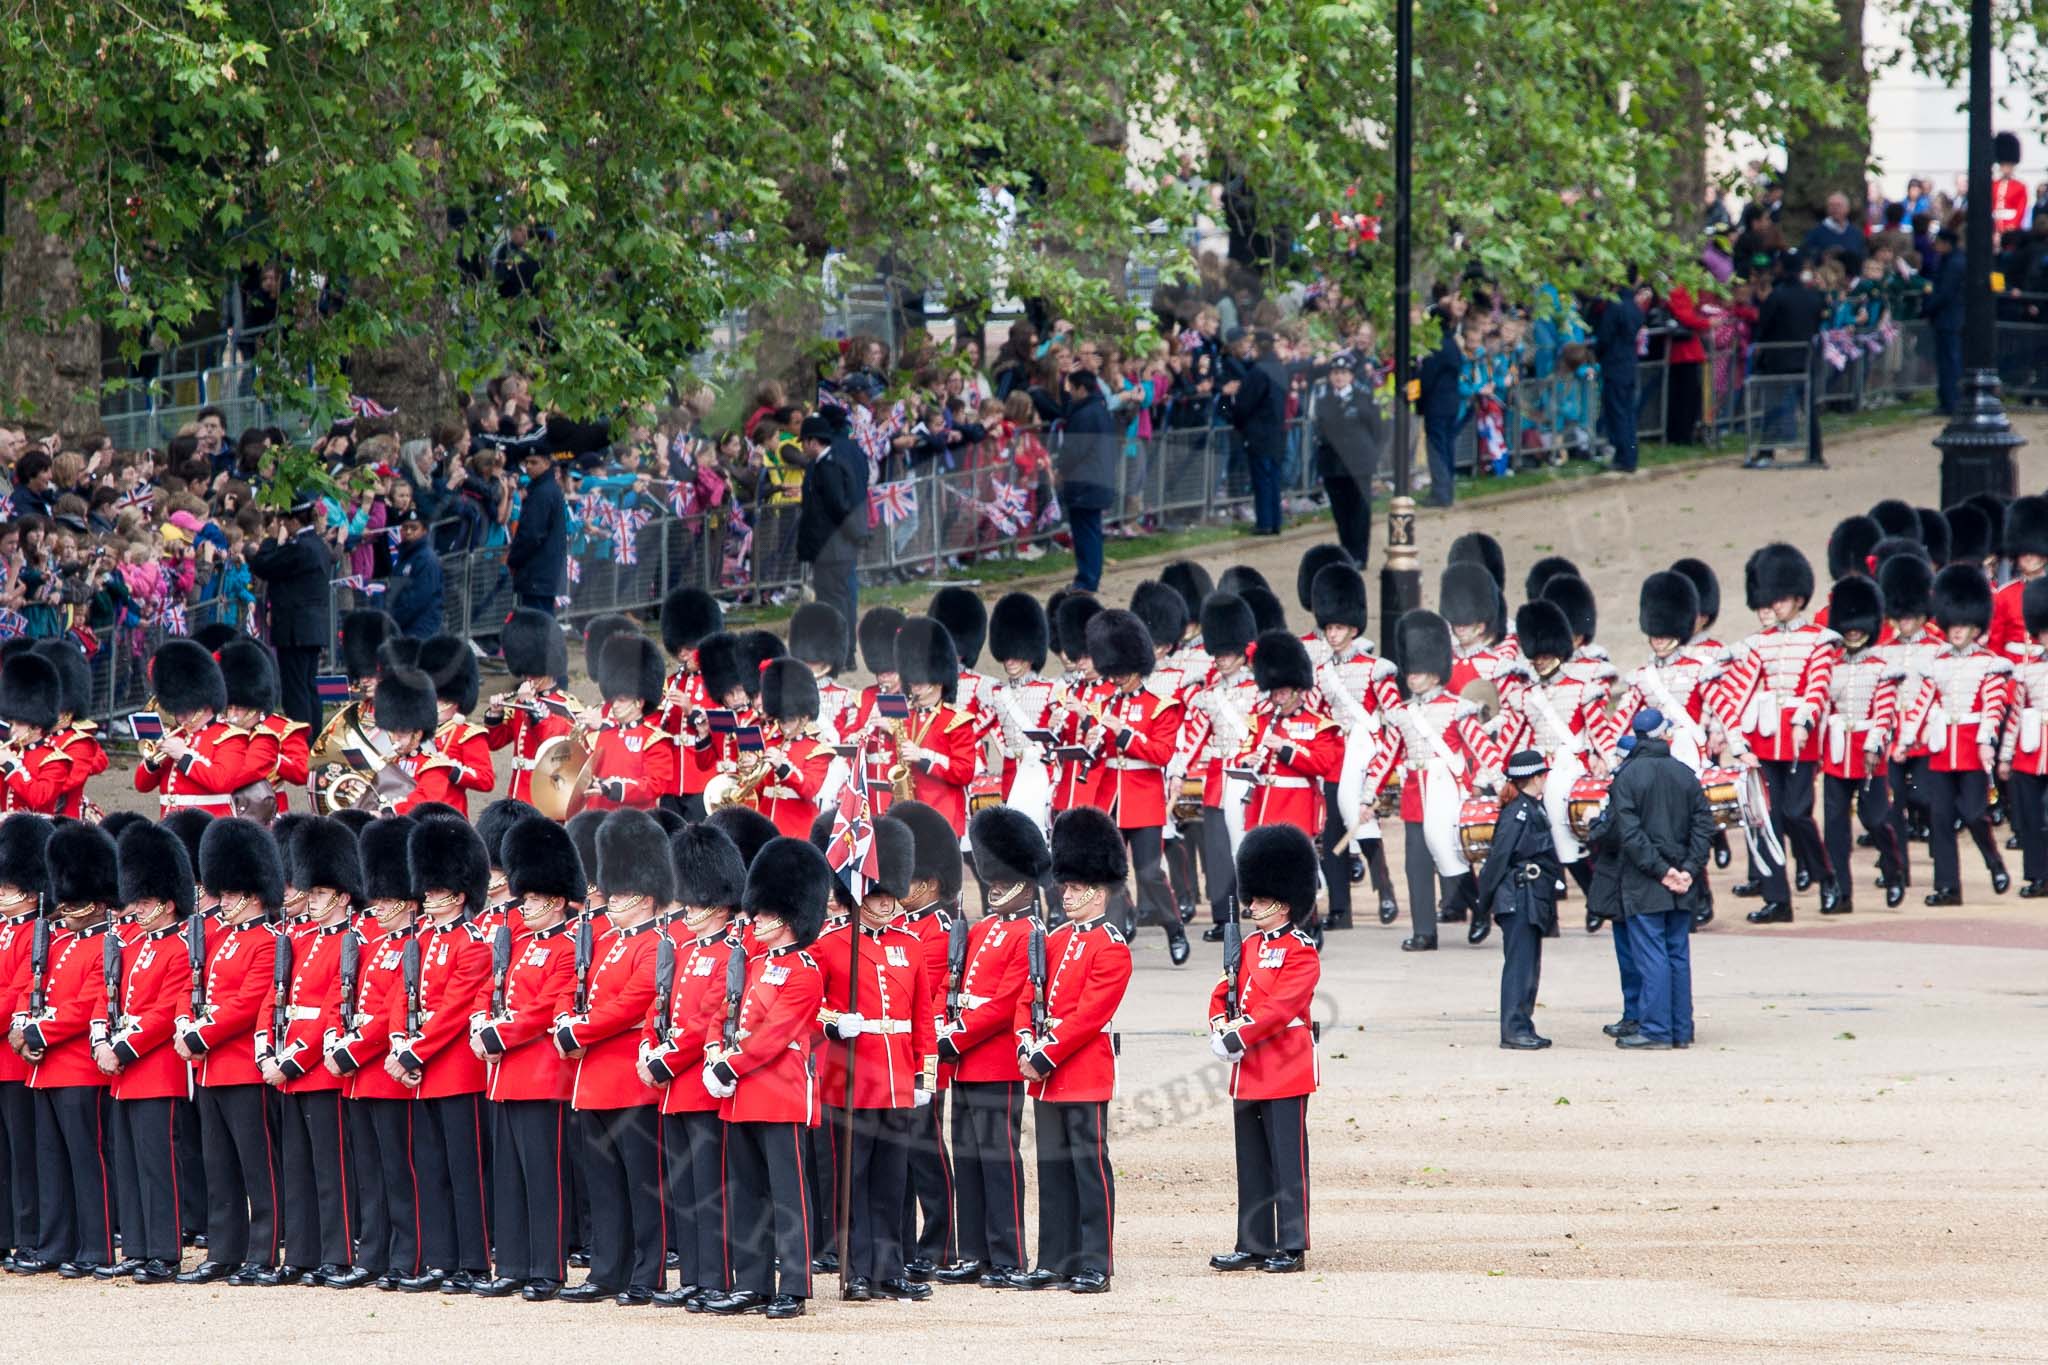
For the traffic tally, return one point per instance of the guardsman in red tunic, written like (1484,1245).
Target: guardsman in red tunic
(34,770)
(21,878)
(975,1036)
(2026,542)
(939,738)
(818,639)
(688,616)
(711,878)
(58,1025)
(633,762)
(380,1108)
(1066,1050)
(452,875)
(239,868)
(1021,699)
(2023,757)
(1293,748)
(201,759)
(1469,597)
(731,665)
(1072,720)
(1192,582)
(877,1007)
(929,908)
(1863,713)
(406,716)
(1165,614)
(1218,723)
(279,747)
(1259,1023)
(965,617)
(530,1081)
(877,635)
(1358,689)
(757,1061)
(617,1115)
(452,665)
(75,733)
(1957,711)
(1557,712)
(303,1011)
(536,711)
(1141,733)
(804,774)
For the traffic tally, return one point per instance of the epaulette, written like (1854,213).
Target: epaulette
(960,718)
(1999,665)
(437,759)
(1382,667)
(1116,935)
(1827,636)
(292,725)
(228,731)
(803,955)
(1466,708)
(477,933)
(1298,932)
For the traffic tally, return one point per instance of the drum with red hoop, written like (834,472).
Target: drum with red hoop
(983,792)
(1588,795)
(1723,788)
(1476,821)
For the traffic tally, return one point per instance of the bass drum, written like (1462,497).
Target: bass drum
(561,776)
(983,792)
(1476,821)
(1723,788)
(1588,795)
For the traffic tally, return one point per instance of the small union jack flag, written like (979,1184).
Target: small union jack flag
(682,497)
(369,407)
(575,573)
(173,619)
(894,502)
(12,623)
(853,854)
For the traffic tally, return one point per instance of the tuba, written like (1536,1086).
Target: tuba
(561,774)
(341,781)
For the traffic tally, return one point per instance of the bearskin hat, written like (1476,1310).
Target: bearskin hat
(1008,846)
(405,701)
(451,663)
(238,857)
(447,855)
(895,856)
(30,691)
(1119,644)
(496,820)
(1162,610)
(925,656)
(1088,849)
(1934,534)
(582,828)
(1314,560)
(1278,862)
(1337,597)
(1571,593)
(1667,607)
(1422,644)
(757,647)
(1962,597)
(2005,149)
(1238,577)
(791,879)
(116,823)
(186,679)
(356,820)
(1191,581)
(965,618)
(1993,506)
(1897,517)
(1467,594)
(718,661)
(1227,624)
(1018,629)
(363,634)
(211,637)
(687,616)
(1705,582)
(632,857)
(878,639)
(284,832)
(154,867)
(1542,571)
(74,675)
(2033,606)
(1775,572)
(788,690)
(189,824)
(402,652)
(1850,544)
(2026,526)
(1071,624)
(1477,547)
(748,829)
(84,868)
(541,860)
(1855,603)
(249,674)
(597,633)
(1543,630)
(1267,613)
(1907,582)
(533,645)
(1897,545)
(1971,537)
(707,865)
(22,840)
(631,667)
(670,819)
(436,810)
(326,853)
(19,644)
(1281,660)
(938,846)
(817,635)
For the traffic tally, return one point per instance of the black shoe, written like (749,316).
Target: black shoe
(1641,1042)
(679,1297)
(1286,1263)
(1187,912)
(1479,930)
(206,1272)
(1620,1028)
(283,1275)
(1837,905)
(1801,880)
(1593,921)
(1702,917)
(1450,916)
(671,1261)
(825,1263)
(36,1265)
(119,1270)
(74,1270)
(580,1259)
(1000,1277)
(458,1282)
(1390,910)
(1524,1042)
(783,1307)
(1336,922)
(2034,890)
(729,1305)
(633,1298)
(1177,949)
(920,1268)
(247,1274)
(1747,890)
(2012,841)
(2001,880)
(540,1291)
(960,1272)
(426,1282)
(1236,1260)
(1864,841)
(349,1277)
(588,1292)
(1040,1278)
(1895,893)
(1213,934)
(903,1291)
(1770,912)
(155,1271)
(1763,459)
(1357,868)
(1722,855)
(1089,1282)
(1829,894)
(1419,944)
(497,1287)
(386,1282)
(859,1289)
(1941,898)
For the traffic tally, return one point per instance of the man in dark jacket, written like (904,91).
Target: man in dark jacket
(1347,433)
(832,523)
(1518,888)
(1603,904)
(1614,347)
(1787,321)
(539,554)
(1090,450)
(415,580)
(1257,406)
(294,564)
(1438,380)
(1944,310)
(1666,833)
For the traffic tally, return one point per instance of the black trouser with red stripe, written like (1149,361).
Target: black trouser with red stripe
(1272,1174)
(526,1189)
(1155,898)
(448,1160)
(240,1150)
(146,1179)
(380,1145)
(1076,1187)
(931,1184)
(17,1167)
(988,1171)
(821,1170)
(881,1171)
(2030,821)
(771,1208)
(1952,797)
(72,1180)
(316,1219)
(690,1143)
(1871,797)
(623,1151)
(1791,791)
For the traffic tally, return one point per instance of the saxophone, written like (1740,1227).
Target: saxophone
(901,787)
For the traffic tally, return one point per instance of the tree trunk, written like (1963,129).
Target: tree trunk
(410,372)
(49,346)
(1824,159)
(1688,124)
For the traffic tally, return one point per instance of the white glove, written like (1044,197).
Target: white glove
(947,1028)
(716,1086)
(1217,1046)
(920,1098)
(847,1027)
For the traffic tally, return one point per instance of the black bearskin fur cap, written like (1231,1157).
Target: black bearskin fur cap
(1278,862)
(1088,849)
(1008,846)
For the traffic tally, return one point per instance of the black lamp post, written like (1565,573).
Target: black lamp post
(1978,445)
(1401,576)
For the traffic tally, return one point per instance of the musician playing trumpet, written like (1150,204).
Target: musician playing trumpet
(1293,747)
(201,759)
(633,761)
(405,711)
(938,738)
(33,771)
(536,710)
(451,663)
(798,765)
(731,668)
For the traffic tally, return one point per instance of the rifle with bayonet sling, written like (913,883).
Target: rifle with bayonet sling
(39,965)
(586,949)
(281,986)
(195,957)
(1034,958)
(351,976)
(1233,960)
(110,971)
(664,1005)
(501,967)
(956,964)
(735,990)
(409,972)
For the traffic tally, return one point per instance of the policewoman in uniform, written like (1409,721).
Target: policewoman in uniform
(1518,888)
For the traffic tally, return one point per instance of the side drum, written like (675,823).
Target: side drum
(1589,794)
(1723,788)
(1476,821)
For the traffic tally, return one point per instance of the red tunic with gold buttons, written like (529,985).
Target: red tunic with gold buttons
(156,987)
(37,781)
(685,693)
(540,986)
(772,1047)
(1275,1042)
(312,1009)
(895,1007)
(469,748)
(455,982)
(238,977)
(1290,790)
(434,776)
(16,931)
(88,760)
(940,779)
(696,1010)
(1128,780)
(631,766)
(790,795)
(74,999)
(519,727)
(933,927)
(206,777)
(380,990)
(1088,968)
(996,977)
(1778,684)
(621,992)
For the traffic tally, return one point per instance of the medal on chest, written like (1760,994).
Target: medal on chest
(774,976)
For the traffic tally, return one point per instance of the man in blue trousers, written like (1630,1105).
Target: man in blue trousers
(1666,833)
(1603,903)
